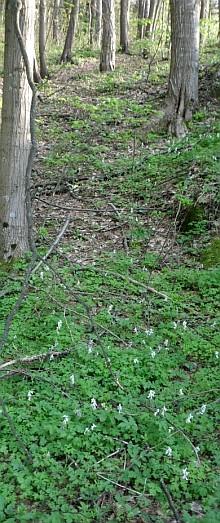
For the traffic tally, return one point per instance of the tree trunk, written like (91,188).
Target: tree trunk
(183,80)
(42,38)
(124,25)
(37,76)
(219,19)
(149,25)
(56,9)
(156,16)
(71,31)
(107,56)
(15,139)
(95,23)
(204,15)
(141,16)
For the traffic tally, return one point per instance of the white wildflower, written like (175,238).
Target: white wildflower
(90,346)
(65,420)
(110,309)
(93,426)
(30,394)
(149,332)
(136,361)
(78,413)
(185,474)
(175,325)
(136,330)
(189,418)
(59,325)
(157,412)
(72,379)
(41,275)
(119,408)
(197,449)
(152,353)
(217,354)
(170,429)
(94,404)
(181,393)
(51,357)
(166,343)
(184,325)
(151,394)
(163,410)
(169,452)
(203,409)
(87,430)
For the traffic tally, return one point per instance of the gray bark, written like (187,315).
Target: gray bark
(71,32)
(107,55)
(183,79)
(124,25)
(56,10)
(141,16)
(42,38)
(149,25)
(15,139)
(95,23)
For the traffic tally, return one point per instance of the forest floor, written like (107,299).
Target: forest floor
(119,421)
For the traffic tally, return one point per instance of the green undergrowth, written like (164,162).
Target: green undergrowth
(127,398)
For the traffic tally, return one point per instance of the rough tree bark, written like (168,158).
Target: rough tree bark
(71,31)
(15,139)
(56,9)
(149,25)
(42,38)
(124,24)
(183,79)
(95,23)
(37,76)
(107,55)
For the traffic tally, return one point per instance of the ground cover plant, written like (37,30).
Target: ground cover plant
(117,418)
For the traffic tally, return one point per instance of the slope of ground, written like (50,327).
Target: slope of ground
(119,422)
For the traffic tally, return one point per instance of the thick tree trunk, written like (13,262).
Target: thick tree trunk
(15,140)
(42,38)
(95,23)
(219,19)
(124,25)
(107,56)
(183,80)
(56,10)
(71,31)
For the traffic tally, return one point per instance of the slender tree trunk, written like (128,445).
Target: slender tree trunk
(95,23)
(107,56)
(124,25)
(219,19)
(204,15)
(15,139)
(156,16)
(37,76)
(71,32)
(183,80)
(56,10)
(149,25)
(141,16)
(42,38)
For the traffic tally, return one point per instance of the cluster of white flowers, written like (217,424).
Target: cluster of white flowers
(59,325)
(119,408)
(181,393)
(136,361)
(90,346)
(94,404)
(151,394)
(203,409)
(168,452)
(152,353)
(176,323)
(189,418)
(88,429)
(185,474)
(65,419)
(30,394)
(72,379)
(217,354)
(149,331)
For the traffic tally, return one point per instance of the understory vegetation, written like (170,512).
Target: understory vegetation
(118,418)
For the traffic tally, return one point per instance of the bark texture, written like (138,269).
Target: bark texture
(56,10)
(107,56)
(183,79)
(149,25)
(71,31)
(15,139)
(124,25)
(141,16)
(95,23)
(42,38)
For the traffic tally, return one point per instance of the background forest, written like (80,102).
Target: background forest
(110,261)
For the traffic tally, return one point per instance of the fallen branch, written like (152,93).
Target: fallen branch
(36,357)
(170,501)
